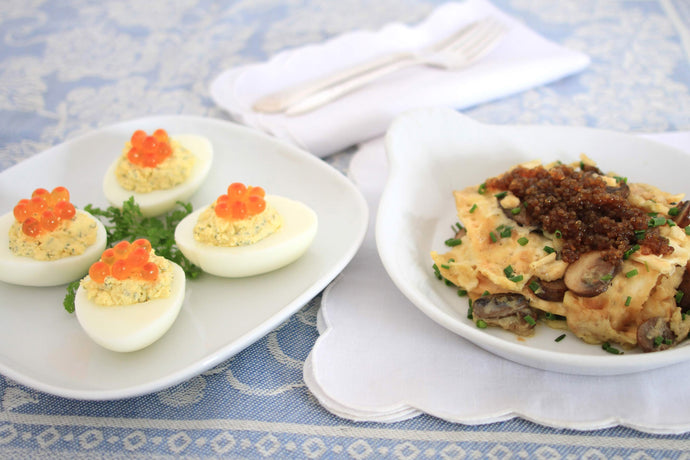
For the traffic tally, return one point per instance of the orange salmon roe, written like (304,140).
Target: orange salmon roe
(44,211)
(240,202)
(125,260)
(149,151)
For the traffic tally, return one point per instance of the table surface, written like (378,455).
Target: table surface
(69,67)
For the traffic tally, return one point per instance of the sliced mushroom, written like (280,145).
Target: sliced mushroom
(552,291)
(507,310)
(591,169)
(683,216)
(655,335)
(621,189)
(520,218)
(590,275)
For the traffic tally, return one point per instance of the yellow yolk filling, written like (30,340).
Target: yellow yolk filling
(171,172)
(218,231)
(70,238)
(112,292)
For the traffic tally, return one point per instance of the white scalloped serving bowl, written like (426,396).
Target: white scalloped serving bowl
(432,152)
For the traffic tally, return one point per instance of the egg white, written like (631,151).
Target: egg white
(281,248)
(26,271)
(125,328)
(159,201)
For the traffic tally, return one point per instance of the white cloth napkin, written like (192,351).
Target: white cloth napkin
(521,61)
(380,359)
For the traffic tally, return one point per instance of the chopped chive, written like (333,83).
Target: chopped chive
(607,347)
(516,278)
(462,292)
(481,324)
(554,317)
(500,195)
(549,250)
(558,234)
(657,340)
(630,251)
(530,320)
(673,211)
(631,273)
(470,314)
(453,242)
(449,283)
(482,188)
(620,180)
(522,241)
(627,301)
(657,221)
(459,226)
(485,293)
(506,232)
(607,277)
(640,234)
(473,208)
(515,211)
(534,286)
(437,272)
(447,267)
(493,237)
(670,222)
(508,271)
(559,338)
(679,296)
(687,230)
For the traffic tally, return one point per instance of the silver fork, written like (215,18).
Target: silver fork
(459,50)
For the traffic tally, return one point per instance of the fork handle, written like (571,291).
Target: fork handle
(328,94)
(281,100)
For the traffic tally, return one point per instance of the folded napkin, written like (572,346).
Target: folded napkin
(522,60)
(381,359)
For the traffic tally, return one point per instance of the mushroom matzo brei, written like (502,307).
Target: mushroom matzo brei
(573,247)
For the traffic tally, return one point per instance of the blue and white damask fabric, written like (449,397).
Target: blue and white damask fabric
(69,67)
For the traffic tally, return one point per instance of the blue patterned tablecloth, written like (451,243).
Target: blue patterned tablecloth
(67,67)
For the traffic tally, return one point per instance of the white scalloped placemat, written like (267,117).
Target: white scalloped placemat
(380,359)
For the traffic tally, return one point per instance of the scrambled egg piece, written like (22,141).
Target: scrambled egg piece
(645,285)
(70,238)
(131,291)
(173,171)
(217,231)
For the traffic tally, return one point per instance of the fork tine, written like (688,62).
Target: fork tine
(480,42)
(474,33)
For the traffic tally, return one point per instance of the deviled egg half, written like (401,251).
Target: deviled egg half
(45,241)
(130,298)
(158,170)
(246,232)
